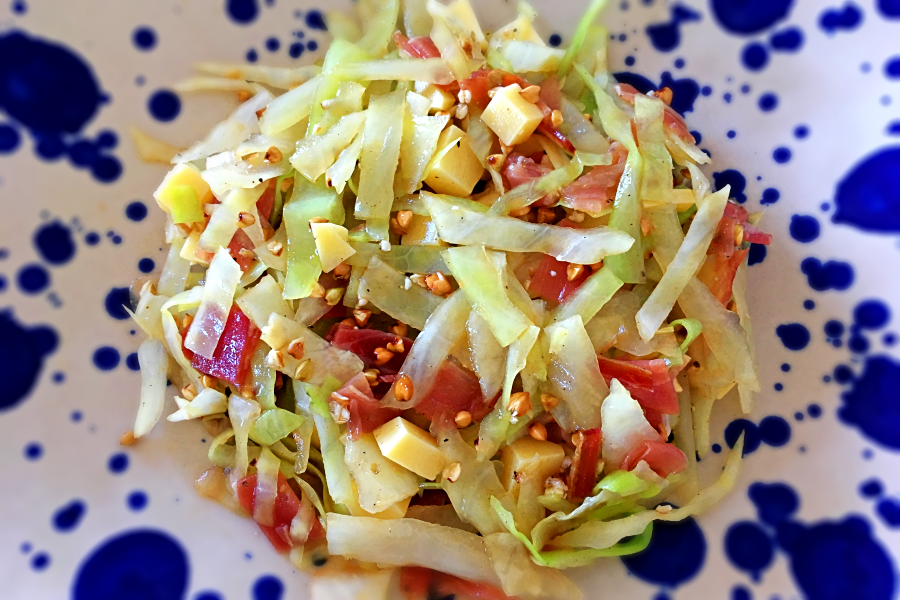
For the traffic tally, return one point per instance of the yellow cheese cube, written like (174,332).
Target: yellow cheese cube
(455,169)
(183,193)
(532,458)
(512,117)
(331,244)
(440,99)
(410,447)
(421,232)
(395,511)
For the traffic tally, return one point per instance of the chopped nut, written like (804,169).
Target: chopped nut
(318,291)
(274,155)
(245,219)
(538,431)
(464,96)
(397,346)
(404,218)
(371,375)
(403,388)
(148,288)
(576,217)
(587,116)
(304,370)
(350,323)
(597,266)
(438,284)
(664,94)
(384,245)
(339,399)
(419,280)
(519,404)
(247,253)
(260,113)
(395,227)
(275,247)
(496,161)
(549,402)
(243,95)
(189,392)
(546,215)
(520,212)
(287,183)
(462,111)
(295,349)
(127,439)
(556,118)
(400,329)
(531,94)
(339,413)
(342,271)
(463,419)
(556,486)
(383,356)
(738,235)
(362,316)
(233,74)
(664,509)
(275,359)
(209,382)
(452,472)
(574,271)
(318,220)
(334,295)
(578,438)
(442,113)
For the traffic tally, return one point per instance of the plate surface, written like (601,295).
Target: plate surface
(794,101)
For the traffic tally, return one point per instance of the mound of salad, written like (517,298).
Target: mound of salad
(453,304)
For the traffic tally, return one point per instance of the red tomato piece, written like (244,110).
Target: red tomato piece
(266,202)
(231,360)
(415,582)
(366,413)
(551,280)
(665,459)
(454,389)
(418,47)
(479,84)
(647,381)
(583,474)
(596,189)
(287,505)
(519,170)
(241,241)
(718,273)
(448,585)
(671,118)
(363,342)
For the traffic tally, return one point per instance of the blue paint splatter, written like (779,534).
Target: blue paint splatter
(54,243)
(770,196)
(735,179)
(749,548)
(801,132)
(116,301)
(750,16)
(76,416)
(136,211)
(92,239)
(315,20)
(242,12)
(781,155)
(731,134)
(787,40)
(19,7)
(665,37)
(892,68)
(296,49)
(33,279)
(871,488)
(629,61)
(889,8)
(869,196)
(68,517)
(804,228)
(846,18)
(684,92)
(268,587)
(312,45)
(106,358)
(751,435)
(675,555)
(871,314)
(794,336)
(118,463)
(834,329)
(144,38)
(814,410)
(33,451)
(870,401)
(639,82)
(146,265)
(889,511)
(40,561)
(741,593)
(9,139)
(768,102)
(137,500)
(893,128)
(132,362)
(832,275)
(22,353)
(164,105)
(756,255)
(252,56)
(775,502)
(555,40)
(755,56)
(208,595)
(774,431)
(136,564)
(272,44)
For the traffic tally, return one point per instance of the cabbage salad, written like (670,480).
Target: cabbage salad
(450,302)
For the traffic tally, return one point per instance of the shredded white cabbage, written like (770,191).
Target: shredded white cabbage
(242,123)
(154,364)
(390,290)
(222,278)
(574,375)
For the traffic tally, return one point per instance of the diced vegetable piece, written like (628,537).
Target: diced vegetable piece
(331,244)
(455,169)
(665,459)
(183,193)
(455,389)
(308,201)
(530,458)
(624,426)
(440,98)
(221,280)
(512,117)
(462,225)
(583,474)
(381,482)
(366,413)
(364,342)
(574,375)
(380,156)
(231,359)
(482,277)
(327,360)
(551,282)
(286,509)
(647,381)
(410,447)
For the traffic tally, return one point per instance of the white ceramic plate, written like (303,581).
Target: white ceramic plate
(794,97)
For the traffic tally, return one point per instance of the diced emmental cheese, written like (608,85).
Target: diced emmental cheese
(511,116)
(421,232)
(440,99)
(183,193)
(331,244)
(530,458)
(455,168)
(410,447)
